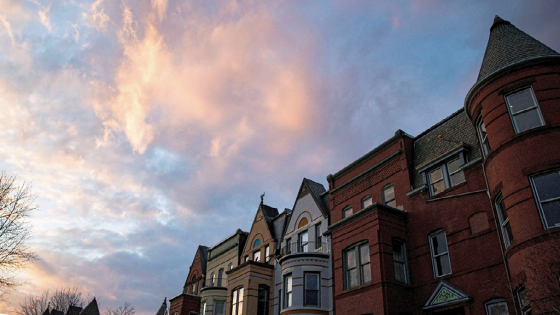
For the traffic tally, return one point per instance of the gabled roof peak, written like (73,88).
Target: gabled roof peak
(497,21)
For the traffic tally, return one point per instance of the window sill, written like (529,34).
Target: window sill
(446,191)
(354,289)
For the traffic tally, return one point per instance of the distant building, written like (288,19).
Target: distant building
(463,219)
(91,309)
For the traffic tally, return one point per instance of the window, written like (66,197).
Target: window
(399,257)
(446,175)
(247,258)
(237,302)
(312,282)
(496,307)
(262,304)
(288,246)
(504,221)
(389,196)
(440,254)
(366,201)
(524,110)
(267,253)
(303,242)
(357,270)
(318,236)
(257,256)
(230,266)
(483,137)
(193,289)
(257,243)
(219,307)
(220,276)
(524,305)
(346,212)
(203,308)
(287,291)
(547,193)
(212,279)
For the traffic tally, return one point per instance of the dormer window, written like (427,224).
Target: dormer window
(446,175)
(524,110)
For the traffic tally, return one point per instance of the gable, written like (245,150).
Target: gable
(305,209)
(259,230)
(445,295)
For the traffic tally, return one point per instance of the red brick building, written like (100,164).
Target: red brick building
(417,224)
(188,302)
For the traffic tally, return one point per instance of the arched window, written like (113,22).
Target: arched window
(220,276)
(302,223)
(257,243)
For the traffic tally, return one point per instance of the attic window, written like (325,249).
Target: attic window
(257,243)
(446,175)
(302,223)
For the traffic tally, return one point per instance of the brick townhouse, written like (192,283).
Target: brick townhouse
(463,218)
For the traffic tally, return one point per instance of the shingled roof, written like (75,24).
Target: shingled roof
(508,45)
(163,308)
(91,309)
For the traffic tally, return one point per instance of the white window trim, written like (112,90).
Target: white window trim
(539,202)
(484,149)
(511,115)
(446,175)
(503,223)
(434,268)
(318,274)
(286,292)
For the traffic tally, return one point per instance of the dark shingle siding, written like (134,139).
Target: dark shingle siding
(455,130)
(507,45)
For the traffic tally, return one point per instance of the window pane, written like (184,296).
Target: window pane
(507,227)
(454,165)
(219,307)
(436,175)
(439,244)
(347,212)
(311,298)
(257,256)
(522,296)
(438,187)
(240,295)
(289,299)
(289,285)
(392,204)
(457,178)
(366,272)
(233,310)
(548,185)
(351,259)
(366,202)
(303,237)
(235,296)
(498,309)
(552,213)
(520,101)
(311,281)
(352,278)
(364,254)
(443,265)
(389,193)
(528,120)
(400,272)
(240,308)
(397,252)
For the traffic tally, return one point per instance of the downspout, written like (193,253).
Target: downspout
(500,236)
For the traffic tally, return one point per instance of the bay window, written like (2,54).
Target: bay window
(357,269)
(312,284)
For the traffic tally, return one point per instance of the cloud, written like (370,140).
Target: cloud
(98,16)
(43,17)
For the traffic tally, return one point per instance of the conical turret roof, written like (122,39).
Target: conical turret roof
(163,308)
(508,45)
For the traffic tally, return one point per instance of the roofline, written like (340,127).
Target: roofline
(239,231)
(523,62)
(398,134)
(438,124)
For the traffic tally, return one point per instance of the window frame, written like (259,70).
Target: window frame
(434,264)
(235,305)
(287,295)
(318,236)
(266,289)
(356,248)
(267,253)
(445,173)
(313,273)
(484,142)
(348,207)
(491,302)
(302,244)
(536,105)
(365,199)
(385,201)
(257,256)
(402,263)
(540,202)
(288,246)
(215,307)
(504,223)
(525,309)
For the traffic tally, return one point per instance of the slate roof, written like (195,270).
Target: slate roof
(508,45)
(279,222)
(163,308)
(269,214)
(316,190)
(203,257)
(91,309)
(455,130)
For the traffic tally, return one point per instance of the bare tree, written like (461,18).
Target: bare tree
(60,300)
(127,309)
(16,205)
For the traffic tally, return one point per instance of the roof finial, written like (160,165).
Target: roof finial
(262,197)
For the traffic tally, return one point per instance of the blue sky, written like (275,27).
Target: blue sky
(149,127)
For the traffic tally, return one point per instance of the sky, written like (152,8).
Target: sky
(148,127)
